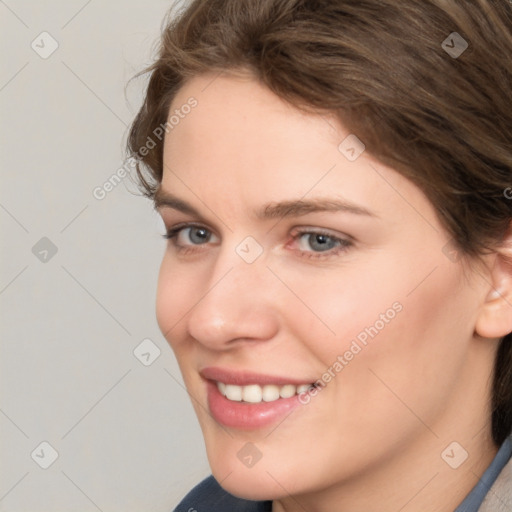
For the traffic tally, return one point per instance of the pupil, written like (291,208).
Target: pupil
(321,242)
(199,235)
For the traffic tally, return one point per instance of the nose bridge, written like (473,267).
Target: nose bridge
(237,302)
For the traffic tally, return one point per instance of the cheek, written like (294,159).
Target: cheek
(417,358)
(374,295)
(172,300)
(337,306)
(402,321)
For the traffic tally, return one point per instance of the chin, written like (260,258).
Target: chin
(251,484)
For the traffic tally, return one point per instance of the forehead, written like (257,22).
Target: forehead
(239,109)
(243,144)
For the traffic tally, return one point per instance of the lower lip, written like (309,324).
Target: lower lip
(244,415)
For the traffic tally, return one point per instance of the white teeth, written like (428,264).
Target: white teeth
(270,393)
(254,393)
(234,393)
(287,391)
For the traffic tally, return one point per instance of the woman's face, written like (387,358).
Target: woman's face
(300,260)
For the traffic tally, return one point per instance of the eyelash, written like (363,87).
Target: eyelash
(342,243)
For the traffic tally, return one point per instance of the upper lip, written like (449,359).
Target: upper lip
(244,378)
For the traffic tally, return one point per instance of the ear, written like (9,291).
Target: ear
(495,316)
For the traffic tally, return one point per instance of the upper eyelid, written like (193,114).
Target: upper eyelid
(165,210)
(299,230)
(322,231)
(184,225)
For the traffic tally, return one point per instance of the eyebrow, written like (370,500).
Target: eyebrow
(296,208)
(281,209)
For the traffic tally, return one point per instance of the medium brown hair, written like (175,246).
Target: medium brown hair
(384,67)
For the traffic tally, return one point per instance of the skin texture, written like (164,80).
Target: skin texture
(372,439)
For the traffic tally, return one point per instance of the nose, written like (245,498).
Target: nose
(238,304)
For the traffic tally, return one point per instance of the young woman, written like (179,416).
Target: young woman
(335,178)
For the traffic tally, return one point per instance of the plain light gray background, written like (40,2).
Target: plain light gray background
(125,433)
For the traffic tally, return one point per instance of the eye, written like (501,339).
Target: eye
(186,236)
(319,243)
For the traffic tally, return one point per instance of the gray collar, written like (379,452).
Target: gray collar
(493,492)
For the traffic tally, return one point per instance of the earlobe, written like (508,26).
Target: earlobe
(495,317)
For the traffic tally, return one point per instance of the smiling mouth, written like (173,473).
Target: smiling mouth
(254,393)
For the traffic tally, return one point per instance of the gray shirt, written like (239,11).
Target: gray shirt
(475,498)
